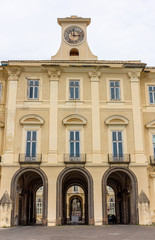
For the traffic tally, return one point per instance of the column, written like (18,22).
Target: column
(53,116)
(137,117)
(152,196)
(13,75)
(96,143)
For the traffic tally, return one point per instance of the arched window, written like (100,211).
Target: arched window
(74,52)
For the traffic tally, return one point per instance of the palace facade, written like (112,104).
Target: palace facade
(75,127)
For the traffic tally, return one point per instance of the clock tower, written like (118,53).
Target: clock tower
(74,44)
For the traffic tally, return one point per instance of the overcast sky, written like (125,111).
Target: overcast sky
(119,29)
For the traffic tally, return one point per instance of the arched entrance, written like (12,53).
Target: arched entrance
(74,177)
(24,186)
(124,183)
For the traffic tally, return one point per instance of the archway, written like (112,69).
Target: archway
(24,186)
(74,177)
(124,183)
(74,52)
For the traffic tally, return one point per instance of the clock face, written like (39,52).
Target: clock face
(74,35)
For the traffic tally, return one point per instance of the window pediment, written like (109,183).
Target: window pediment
(150,124)
(116,120)
(31,119)
(74,119)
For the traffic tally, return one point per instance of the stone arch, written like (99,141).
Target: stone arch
(88,184)
(14,183)
(74,52)
(134,195)
(116,120)
(74,119)
(32,119)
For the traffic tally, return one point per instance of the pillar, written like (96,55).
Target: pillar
(137,117)
(96,143)
(13,74)
(53,114)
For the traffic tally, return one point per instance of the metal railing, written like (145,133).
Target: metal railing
(24,159)
(152,160)
(81,159)
(125,158)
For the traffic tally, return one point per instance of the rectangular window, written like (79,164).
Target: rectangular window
(151,94)
(154,145)
(33,89)
(117,143)
(75,188)
(0,92)
(74,144)
(74,89)
(31,144)
(115,90)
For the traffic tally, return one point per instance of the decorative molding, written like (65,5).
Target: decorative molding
(53,74)
(150,124)
(13,73)
(74,119)
(134,76)
(94,76)
(31,119)
(116,120)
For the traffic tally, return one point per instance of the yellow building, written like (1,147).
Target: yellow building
(76,121)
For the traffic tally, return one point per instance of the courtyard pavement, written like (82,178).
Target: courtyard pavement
(110,232)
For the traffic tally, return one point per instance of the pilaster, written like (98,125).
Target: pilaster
(137,117)
(53,116)
(13,76)
(96,143)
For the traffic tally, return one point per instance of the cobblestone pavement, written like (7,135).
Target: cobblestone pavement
(111,232)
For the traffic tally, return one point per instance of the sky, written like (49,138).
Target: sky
(119,29)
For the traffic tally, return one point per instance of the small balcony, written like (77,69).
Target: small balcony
(81,159)
(119,159)
(30,160)
(152,160)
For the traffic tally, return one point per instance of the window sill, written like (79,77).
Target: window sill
(115,101)
(74,101)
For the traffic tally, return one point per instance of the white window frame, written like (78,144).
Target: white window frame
(75,128)
(116,128)
(115,87)
(74,141)
(75,188)
(33,87)
(121,91)
(39,205)
(24,135)
(74,87)
(153,94)
(117,143)
(31,141)
(80,79)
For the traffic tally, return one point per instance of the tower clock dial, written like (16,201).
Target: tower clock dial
(74,35)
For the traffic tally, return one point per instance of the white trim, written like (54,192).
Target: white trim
(80,79)
(80,120)
(121,89)
(37,120)
(112,120)
(33,78)
(74,128)
(119,128)
(24,131)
